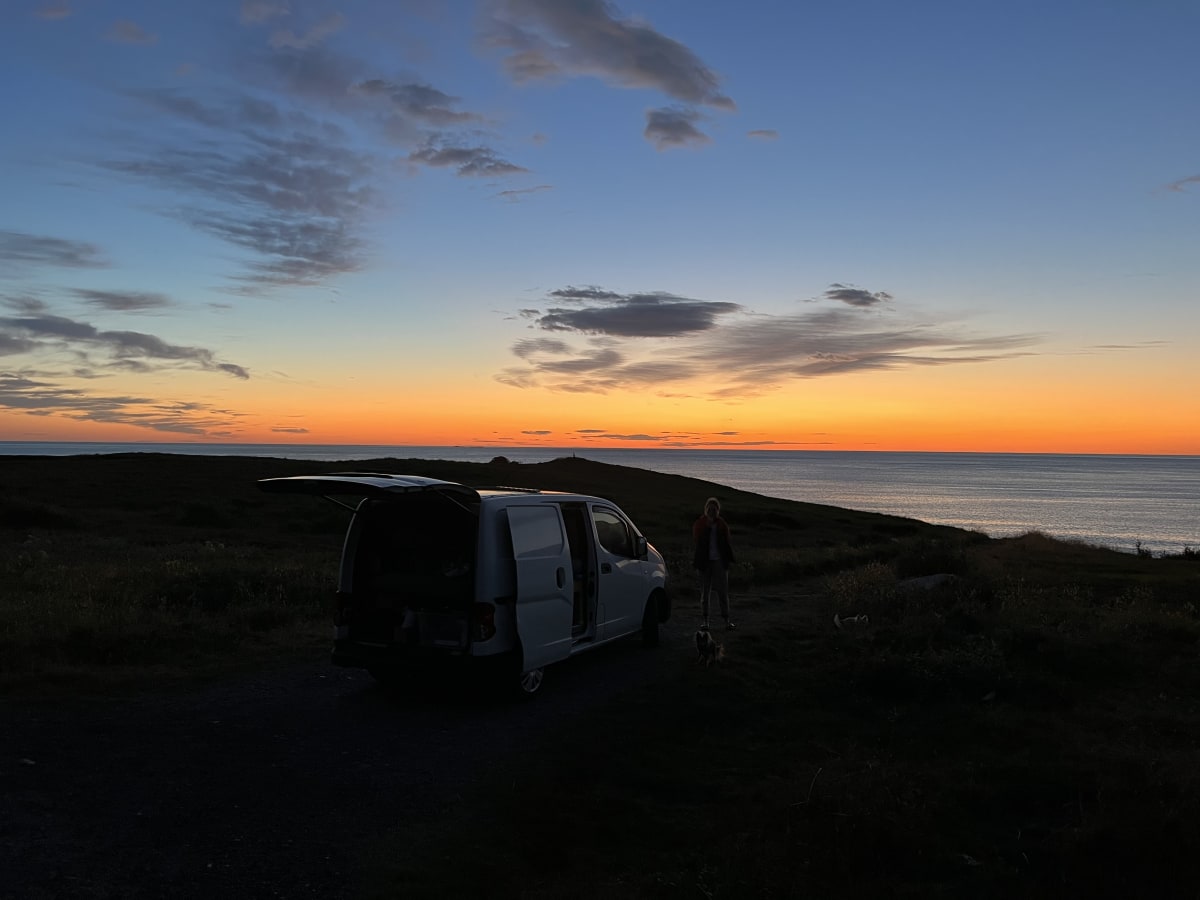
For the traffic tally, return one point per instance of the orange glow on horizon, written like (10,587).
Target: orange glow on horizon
(1042,405)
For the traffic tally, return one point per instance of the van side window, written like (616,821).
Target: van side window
(536,531)
(612,532)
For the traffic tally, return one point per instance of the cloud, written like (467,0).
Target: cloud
(39,395)
(673,127)
(316,73)
(596,360)
(632,315)
(54,10)
(290,163)
(418,101)
(20,250)
(763,134)
(126,32)
(12,345)
(123,301)
(280,184)
(676,439)
(257,11)
(409,113)
(853,296)
(298,250)
(120,349)
(527,348)
(586,293)
(469,161)
(647,341)
(1183,183)
(285,37)
(289,430)
(539,433)
(515,196)
(549,39)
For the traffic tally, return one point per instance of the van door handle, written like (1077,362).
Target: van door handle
(561,576)
(605,568)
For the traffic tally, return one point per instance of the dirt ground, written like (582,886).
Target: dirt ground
(262,785)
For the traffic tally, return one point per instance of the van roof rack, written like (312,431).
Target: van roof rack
(507,487)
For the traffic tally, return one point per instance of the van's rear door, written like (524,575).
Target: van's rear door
(544,583)
(366,484)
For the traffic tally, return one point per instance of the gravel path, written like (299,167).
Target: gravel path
(258,786)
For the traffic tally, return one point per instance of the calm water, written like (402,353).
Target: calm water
(1113,501)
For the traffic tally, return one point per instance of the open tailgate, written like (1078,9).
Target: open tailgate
(366,484)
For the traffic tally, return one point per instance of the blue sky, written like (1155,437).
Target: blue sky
(668,223)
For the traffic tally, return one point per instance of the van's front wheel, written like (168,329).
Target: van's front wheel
(531,682)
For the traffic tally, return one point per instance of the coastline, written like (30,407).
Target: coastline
(1127,503)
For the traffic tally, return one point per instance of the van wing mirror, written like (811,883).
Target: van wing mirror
(642,547)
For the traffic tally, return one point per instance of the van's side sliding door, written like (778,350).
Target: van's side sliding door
(544,583)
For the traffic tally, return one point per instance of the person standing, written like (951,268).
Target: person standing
(714,556)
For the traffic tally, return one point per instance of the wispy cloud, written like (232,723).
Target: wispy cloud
(123,301)
(418,101)
(467,161)
(126,32)
(96,349)
(54,10)
(1183,183)
(763,134)
(549,40)
(649,341)
(254,12)
(20,251)
(315,34)
(518,194)
(280,184)
(290,163)
(37,395)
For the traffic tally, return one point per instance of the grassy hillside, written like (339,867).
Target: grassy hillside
(116,566)
(1027,727)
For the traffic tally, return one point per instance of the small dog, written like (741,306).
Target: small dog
(708,651)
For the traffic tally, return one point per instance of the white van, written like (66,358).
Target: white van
(434,571)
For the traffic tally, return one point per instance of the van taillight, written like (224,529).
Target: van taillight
(483,621)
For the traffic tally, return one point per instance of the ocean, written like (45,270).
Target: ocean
(1122,502)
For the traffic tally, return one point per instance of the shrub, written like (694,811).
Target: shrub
(866,589)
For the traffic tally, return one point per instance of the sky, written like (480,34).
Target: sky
(862,225)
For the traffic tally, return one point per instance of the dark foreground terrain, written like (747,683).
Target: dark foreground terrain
(1014,718)
(274,784)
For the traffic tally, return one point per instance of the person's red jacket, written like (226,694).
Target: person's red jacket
(700,534)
